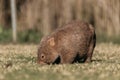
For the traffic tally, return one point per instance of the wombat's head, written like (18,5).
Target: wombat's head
(47,53)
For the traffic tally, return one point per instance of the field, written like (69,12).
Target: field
(18,62)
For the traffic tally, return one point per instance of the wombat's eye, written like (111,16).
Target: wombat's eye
(42,56)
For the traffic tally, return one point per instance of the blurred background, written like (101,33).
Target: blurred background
(37,18)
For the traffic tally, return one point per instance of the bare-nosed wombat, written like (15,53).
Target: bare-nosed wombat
(74,42)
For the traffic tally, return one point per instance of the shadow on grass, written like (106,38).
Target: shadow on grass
(98,60)
(105,61)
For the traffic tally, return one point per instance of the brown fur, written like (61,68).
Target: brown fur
(74,42)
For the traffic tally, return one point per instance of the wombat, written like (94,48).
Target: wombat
(73,42)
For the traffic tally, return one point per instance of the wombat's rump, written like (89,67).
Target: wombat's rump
(74,42)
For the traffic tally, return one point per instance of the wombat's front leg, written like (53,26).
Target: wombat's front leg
(67,57)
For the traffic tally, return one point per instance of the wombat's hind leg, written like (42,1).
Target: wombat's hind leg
(90,51)
(91,46)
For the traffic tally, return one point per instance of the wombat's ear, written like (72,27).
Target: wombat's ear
(51,41)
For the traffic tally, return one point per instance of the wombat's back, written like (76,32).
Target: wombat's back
(73,35)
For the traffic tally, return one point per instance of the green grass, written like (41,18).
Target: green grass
(107,39)
(18,62)
(26,36)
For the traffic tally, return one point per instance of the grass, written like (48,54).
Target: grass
(27,36)
(107,39)
(18,62)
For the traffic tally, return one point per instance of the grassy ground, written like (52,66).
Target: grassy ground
(17,62)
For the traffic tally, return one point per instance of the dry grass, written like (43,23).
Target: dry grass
(45,15)
(17,62)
